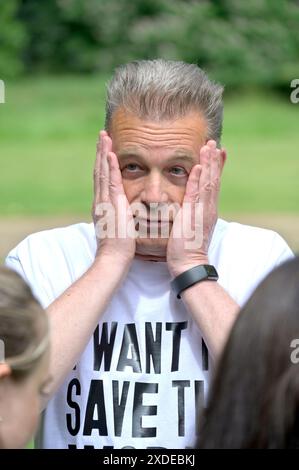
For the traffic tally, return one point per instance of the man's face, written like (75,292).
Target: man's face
(155,160)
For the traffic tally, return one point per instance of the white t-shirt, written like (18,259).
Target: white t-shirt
(144,374)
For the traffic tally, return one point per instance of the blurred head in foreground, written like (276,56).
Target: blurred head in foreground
(254,398)
(24,348)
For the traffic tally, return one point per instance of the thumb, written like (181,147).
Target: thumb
(192,187)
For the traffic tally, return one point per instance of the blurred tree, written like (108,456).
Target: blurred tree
(82,36)
(12,40)
(239,43)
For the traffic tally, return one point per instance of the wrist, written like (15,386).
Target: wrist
(193,276)
(105,276)
(112,264)
(110,255)
(176,270)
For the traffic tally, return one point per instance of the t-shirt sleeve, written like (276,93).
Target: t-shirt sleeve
(246,256)
(281,250)
(13,262)
(51,260)
(273,253)
(26,260)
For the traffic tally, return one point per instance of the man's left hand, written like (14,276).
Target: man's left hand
(202,187)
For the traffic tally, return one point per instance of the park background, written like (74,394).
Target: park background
(56,57)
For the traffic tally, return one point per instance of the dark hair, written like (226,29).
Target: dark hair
(23,325)
(254,397)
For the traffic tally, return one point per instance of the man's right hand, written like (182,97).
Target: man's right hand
(111,209)
(75,314)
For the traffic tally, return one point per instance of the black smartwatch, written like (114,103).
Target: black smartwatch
(192,276)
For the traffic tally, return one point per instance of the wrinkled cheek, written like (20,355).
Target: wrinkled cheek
(132,190)
(176,193)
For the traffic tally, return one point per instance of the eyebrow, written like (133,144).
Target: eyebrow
(178,155)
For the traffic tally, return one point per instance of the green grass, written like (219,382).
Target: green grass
(49,127)
(262,170)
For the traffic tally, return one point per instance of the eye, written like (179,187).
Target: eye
(132,170)
(178,171)
(132,167)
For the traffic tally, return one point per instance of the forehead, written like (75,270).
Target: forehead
(185,133)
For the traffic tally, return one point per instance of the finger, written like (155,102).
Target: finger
(103,132)
(104,169)
(205,178)
(215,172)
(97,166)
(192,189)
(115,183)
(211,144)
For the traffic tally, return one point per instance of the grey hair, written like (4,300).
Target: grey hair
(163,89)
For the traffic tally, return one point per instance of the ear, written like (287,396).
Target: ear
(223,156)
(5,370)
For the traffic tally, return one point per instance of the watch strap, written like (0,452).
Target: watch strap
(192,276)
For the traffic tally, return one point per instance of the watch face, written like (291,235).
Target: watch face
(211,271)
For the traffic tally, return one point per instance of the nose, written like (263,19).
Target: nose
(153,190)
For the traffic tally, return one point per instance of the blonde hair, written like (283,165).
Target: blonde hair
(24,329)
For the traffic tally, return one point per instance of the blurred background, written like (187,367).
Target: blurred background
(57,55)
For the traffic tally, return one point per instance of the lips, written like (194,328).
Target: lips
(154,221)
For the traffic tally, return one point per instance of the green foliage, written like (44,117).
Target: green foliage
(83,36)
(239,43)
(12,40)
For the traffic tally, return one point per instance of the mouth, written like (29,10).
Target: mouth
(153,221)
